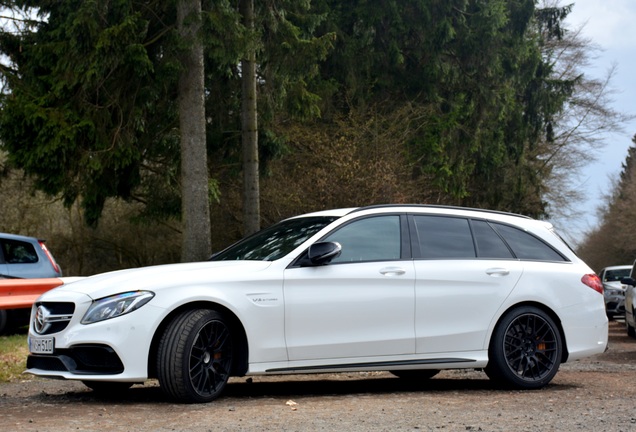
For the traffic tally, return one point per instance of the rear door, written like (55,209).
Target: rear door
(457,294)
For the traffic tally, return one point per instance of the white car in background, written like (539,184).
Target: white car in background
(630,301)
(409,289)
(613,289)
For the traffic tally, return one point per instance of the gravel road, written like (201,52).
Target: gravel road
(595,394)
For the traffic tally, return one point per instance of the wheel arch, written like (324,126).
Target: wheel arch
(547,310)
(239,336)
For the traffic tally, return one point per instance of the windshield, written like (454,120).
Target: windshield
(616,275)
(276,241)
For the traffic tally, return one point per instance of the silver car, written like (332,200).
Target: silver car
(614,290)
(23,257)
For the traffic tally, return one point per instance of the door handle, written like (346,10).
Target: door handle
(497,272)
(392,271)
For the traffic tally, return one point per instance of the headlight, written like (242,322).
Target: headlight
(117,305)
(615,292)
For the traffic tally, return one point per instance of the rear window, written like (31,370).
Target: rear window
(18,252)
(443,237)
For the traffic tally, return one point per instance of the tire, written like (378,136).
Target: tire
(195,356)
(525,350)
(415,374)
(108,388)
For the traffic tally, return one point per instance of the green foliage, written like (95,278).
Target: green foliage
(447,101)
(613,242)
(478,67)
(89,89)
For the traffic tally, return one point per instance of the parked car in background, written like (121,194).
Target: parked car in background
(22,257)
(630,307)
(334,291)
(613,289)
(630,301)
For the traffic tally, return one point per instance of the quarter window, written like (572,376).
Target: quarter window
(489,243)
(18,252)
(370,239)
(526,246)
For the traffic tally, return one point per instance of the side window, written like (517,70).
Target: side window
(370,239)
(526,246)
(444,237)
(489,244)
(17,252)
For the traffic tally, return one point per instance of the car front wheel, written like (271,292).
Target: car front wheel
(195,356)
(525,349)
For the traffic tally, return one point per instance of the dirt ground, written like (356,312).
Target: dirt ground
(595,394)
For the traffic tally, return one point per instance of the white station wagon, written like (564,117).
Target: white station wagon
(409,289)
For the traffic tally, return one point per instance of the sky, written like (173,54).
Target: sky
(610,25)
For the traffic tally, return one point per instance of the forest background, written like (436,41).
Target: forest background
(480,103)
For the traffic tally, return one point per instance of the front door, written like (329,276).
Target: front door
(359,305)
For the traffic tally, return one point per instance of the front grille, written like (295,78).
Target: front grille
(80,359)
(58,315)
(58,308)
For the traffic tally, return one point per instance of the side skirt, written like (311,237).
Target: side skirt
(371,365)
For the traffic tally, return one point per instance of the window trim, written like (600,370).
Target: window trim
(417,253)
(406,252)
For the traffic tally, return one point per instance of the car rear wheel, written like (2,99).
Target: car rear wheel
(525,349)
(195,356)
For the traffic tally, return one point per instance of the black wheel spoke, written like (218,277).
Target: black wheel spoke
(209,358)
(530,347)
(195,356)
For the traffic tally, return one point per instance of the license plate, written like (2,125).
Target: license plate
(41,345)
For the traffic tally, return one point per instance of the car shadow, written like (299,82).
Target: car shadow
(252,389)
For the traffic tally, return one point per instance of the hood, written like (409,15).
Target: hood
(165,276)
(614,285)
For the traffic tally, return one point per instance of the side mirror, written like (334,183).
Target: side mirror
(323,252)
(628,281)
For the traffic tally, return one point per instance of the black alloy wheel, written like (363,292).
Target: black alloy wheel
(525,350)
(195,356)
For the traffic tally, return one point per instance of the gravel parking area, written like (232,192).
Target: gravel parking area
(595,394)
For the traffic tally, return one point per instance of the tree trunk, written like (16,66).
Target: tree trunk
(196,243)
(249,133)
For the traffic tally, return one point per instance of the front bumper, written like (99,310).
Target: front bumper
(116,349)
(615,304)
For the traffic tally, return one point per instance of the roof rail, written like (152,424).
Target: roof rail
(439,206)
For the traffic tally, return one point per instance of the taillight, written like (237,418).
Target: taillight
(594,282)
(50,257)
